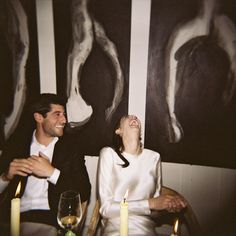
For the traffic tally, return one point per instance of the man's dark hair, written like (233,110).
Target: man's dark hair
(42,104)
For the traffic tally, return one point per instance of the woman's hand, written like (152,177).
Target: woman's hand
(171,203)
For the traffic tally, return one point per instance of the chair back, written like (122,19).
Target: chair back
(187,216)
(94,220)
(80,227)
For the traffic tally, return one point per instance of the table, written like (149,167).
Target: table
(37,229)
(32,229)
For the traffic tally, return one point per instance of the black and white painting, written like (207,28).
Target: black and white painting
(92,57)
(191,103)
(18,62)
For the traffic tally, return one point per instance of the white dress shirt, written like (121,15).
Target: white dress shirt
(36,191)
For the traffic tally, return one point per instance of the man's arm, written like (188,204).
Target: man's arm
(81,179)
(73,173)
(21,167)
(75,177)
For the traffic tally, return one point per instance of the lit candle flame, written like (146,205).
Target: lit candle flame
(18,189)
(176,226)
(126,194)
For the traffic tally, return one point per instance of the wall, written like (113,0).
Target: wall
(211,191)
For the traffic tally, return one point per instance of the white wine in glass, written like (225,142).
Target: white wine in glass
(69,210)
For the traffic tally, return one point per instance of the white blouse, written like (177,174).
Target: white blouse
(142,178)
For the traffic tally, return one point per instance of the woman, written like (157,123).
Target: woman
(128,166)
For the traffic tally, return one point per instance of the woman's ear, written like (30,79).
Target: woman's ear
(118,131)
(38,117)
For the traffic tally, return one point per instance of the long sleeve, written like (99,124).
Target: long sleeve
(3,184)
(74,177)
(158,177)
(109,207)
(73,172)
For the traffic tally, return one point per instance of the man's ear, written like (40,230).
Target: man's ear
(38,117)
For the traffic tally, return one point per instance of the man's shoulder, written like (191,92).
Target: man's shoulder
(69,142)
(17,144)
(67,137)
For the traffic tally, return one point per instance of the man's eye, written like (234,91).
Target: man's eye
(57,114)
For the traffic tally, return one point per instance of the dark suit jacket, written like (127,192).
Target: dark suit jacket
(66,158)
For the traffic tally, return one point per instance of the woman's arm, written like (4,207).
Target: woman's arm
(109,208)
(171,203)
(158,177)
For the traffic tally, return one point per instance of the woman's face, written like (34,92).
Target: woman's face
(129,124)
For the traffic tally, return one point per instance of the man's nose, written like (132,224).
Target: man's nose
(63,119)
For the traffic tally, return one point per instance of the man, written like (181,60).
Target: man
(45,161)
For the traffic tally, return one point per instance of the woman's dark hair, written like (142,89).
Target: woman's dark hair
(118,145)
(42,104)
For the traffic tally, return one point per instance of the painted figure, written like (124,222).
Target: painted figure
(208,21)
(85,32)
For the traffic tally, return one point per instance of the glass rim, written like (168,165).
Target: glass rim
(69,194)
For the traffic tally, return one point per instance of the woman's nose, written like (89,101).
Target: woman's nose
(133,117)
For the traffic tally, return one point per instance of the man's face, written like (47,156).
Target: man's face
(54,122)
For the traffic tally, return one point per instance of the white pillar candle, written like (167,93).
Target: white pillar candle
(15,217)
(124,217)
(15,213)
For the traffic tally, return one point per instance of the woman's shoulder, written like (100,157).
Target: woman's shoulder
(151,153)
(106,149)
(106,152)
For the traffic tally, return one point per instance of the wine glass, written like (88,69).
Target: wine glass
(69,211)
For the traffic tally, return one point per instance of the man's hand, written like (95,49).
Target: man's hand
(171,203)
(41,165)
(20,167)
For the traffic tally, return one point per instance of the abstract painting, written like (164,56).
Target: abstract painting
(192,81)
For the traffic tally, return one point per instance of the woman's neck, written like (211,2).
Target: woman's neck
(132,146)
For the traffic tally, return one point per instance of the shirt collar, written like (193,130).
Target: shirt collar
(34,140)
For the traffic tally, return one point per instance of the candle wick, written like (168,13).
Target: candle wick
(124,200)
